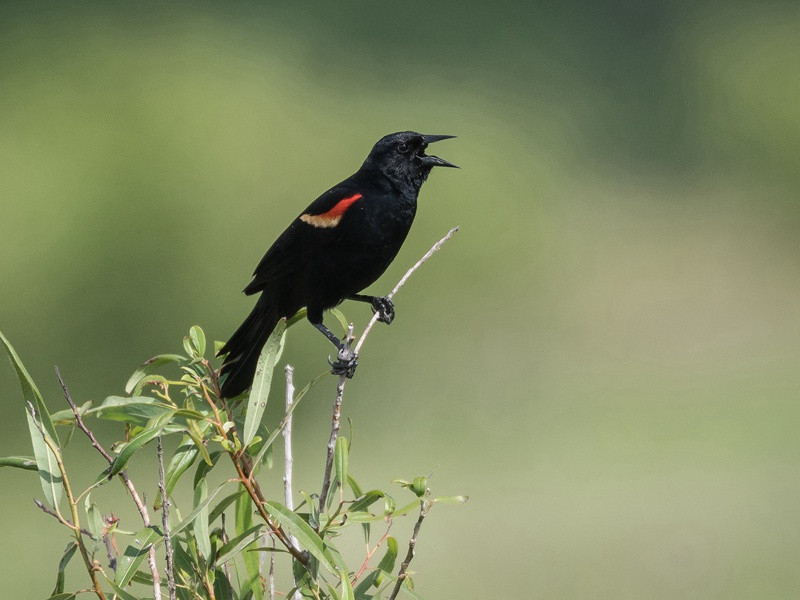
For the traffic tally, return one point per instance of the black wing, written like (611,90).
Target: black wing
(310,233)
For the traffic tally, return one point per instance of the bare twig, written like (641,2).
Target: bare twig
(434,249)
(162,488)
(337,405)
(288,460)
(272,572)
(61,519)
(337,412)
(140,506)
(424,507)
(370,553)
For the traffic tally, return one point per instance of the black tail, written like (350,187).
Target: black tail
(244,347)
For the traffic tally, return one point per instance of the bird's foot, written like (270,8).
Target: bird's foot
(385,309)
(345,363)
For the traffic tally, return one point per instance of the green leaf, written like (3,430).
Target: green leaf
(297,397)
(198,339)
(238,544)
(94,518)
(49,475)
(184,457)
(259,393)
(341,318)
(67,596)
(134,554)
(188,519)
(130,449)
(223,505)
(347,588)
(30,391)
(223,590)
(365,586)
(366,501)
(451,499)
(120,592)
(137,410)
(244,524)
(62,567)
(387,562)
(20,462)
(200,526)
(148,366)
(340,461)
(306,537)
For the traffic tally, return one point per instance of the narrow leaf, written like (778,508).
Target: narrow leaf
(366,500)
(188,519)
(341,318)
(148,366)
(244,523)
(347,588)
(130,449)
(259,393)
(340,461)
(20,462)
(307,537)
(134,554)
(137,410)
(49,474)
(451,499)
(297,397)
(121,592)
(388,560)
(184,457)
(30,391)
(62,566)
(200,526)
(237,545)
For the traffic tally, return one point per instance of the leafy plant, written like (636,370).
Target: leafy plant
(232,540)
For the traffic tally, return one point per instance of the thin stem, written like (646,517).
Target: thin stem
(244,471)
(337,405)
(434,249)
(401,575)
(140,506)
(337,413)
(288,461)
(162,488)
(370,553)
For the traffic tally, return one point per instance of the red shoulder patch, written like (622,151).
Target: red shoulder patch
(331,217)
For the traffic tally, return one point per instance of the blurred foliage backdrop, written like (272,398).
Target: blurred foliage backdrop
(606,359)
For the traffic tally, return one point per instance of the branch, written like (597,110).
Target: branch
(337,412)
(140,506)
(401,575)
(337,405)
(162,488)
(288,460)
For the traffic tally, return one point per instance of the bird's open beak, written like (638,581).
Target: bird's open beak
(435,161)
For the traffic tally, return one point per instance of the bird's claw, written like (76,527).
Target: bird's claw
(345,363)
(385,309)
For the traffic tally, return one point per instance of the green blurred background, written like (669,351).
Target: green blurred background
(605,359)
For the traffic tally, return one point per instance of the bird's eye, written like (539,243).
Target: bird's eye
(403,147)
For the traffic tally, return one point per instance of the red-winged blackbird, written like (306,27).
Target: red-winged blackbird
(338,246)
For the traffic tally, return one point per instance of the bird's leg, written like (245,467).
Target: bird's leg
(380,304)
(346,360)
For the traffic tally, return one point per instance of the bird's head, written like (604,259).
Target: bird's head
(401,157)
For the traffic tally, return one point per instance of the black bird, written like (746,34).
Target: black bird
(335,248)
